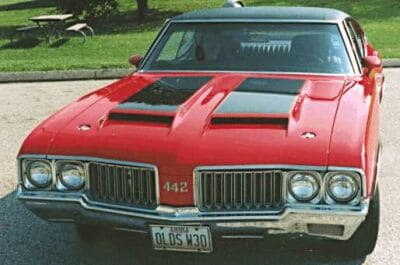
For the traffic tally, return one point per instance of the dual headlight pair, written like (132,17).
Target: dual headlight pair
(42,174)
(335,187)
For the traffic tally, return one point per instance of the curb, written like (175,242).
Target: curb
(37,76)
(391,63)
(112,73)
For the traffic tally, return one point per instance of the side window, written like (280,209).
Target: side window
(357,36)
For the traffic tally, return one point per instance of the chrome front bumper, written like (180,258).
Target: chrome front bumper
(331,222)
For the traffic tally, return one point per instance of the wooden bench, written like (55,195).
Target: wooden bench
(79,28)
(24,30)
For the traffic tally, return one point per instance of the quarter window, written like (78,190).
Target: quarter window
(357,37)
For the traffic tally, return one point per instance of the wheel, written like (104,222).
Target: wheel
(87,232)
(364,239)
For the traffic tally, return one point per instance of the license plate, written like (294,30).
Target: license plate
(181,238)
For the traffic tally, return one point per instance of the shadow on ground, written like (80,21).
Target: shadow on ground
(26,239)
(23,43)
(27,5)
(60,42)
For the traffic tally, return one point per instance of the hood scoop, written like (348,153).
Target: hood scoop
(249,121)
(259,101)
(164,95)
(158,102)
(141,117)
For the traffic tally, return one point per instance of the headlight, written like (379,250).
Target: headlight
(71,175)
(303,186)
(342,187)
(39,174)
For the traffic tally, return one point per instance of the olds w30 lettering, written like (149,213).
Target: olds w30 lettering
(238,123)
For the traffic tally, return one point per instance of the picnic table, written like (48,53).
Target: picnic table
(52,25)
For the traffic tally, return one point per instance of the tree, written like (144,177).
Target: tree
(143,7)
(91,9)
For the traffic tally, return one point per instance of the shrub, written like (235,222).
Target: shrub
(91,9)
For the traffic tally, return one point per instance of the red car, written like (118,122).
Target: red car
(238,123)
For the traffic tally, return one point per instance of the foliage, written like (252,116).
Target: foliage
(91,9)
(121,35)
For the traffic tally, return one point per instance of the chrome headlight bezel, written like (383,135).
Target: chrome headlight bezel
(28,182)
(61,184)
(354,198)
(314,198)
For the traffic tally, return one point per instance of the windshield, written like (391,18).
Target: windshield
(269,47)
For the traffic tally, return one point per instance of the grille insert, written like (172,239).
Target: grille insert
(125,185)
(239,190)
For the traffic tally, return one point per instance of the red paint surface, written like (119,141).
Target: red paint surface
(337,109)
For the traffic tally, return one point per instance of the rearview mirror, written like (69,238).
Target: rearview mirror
(135,60)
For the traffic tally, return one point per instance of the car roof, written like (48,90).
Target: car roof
(265,13)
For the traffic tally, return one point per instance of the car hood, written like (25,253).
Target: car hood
(181,121)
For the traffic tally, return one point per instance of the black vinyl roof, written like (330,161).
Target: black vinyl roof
(262,13)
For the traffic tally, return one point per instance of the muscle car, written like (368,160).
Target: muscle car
(253,122)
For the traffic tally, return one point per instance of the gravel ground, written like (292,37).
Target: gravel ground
(26,239)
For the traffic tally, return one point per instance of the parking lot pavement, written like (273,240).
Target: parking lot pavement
(26,239)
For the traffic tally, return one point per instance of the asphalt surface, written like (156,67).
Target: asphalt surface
(26,239)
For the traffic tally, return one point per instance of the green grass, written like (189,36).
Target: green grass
(122,35)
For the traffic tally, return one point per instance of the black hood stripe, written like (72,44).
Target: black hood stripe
(271,85)
(262,96)
(166,94)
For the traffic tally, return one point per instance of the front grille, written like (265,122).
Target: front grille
(125,185)
(246,190)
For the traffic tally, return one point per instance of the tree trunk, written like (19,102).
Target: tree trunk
(143,7)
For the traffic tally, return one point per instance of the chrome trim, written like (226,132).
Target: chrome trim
(360,210)
(116,206)
(353,169)
(52,159)
(254,167)
(356,63)
(298,223)
(242,237)
(356,177)
(135,168)
(58,182)
(257,20)
(272,175)
(174,211)
(324,170)
(257,167)
(34,156)
(84,200)
(318,197)
(130,230)
(27,183)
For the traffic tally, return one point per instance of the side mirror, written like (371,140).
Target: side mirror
(135,60)
(371,62)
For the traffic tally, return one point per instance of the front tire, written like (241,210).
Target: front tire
(364,239)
